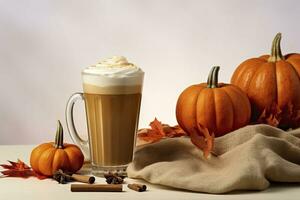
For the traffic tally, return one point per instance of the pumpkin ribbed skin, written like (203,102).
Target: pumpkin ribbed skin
(221,109)
(46,159)
(271,80)
(49,157)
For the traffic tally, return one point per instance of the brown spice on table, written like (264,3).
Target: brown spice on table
(114,178)
(137,187)
(63,177)
(96,187)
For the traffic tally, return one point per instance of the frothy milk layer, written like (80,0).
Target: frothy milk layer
(113,75)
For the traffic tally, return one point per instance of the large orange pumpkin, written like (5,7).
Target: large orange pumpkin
(219,107)
(48,157)
(273,86)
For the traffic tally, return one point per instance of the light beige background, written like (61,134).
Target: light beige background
(45,44)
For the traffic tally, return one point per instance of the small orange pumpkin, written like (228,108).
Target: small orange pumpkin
(272,83)
(219,107)
(47,158)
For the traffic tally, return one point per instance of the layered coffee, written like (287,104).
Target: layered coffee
(112,93)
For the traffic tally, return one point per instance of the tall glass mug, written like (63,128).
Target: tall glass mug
(112,95)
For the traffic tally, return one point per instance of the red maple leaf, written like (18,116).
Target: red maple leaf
(19,169)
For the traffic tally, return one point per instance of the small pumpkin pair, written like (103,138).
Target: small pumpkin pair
(48,157)
(271,83)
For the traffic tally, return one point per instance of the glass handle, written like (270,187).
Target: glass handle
(83,144)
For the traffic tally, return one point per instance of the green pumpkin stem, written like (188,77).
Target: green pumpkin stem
(212,81)
(59,137)
(276,54)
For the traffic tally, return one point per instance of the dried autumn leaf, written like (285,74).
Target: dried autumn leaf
(157,127)
(271,116)
(159,131)
(286,117)
(174,131)
(19,169)
(293,115)
(154,134)
(272,120)
(201,138)
(149,135)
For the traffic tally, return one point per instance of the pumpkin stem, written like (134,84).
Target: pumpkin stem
(209,79)
(212,81)
(59,138)
(276,54)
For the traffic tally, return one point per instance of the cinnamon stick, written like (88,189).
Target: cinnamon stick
(63,177)
(137,187)
(96,188)
(83,178)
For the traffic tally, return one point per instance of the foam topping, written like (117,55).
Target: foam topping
(113,71)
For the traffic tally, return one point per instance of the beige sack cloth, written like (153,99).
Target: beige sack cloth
(249,158)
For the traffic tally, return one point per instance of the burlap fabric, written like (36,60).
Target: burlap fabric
(248,159)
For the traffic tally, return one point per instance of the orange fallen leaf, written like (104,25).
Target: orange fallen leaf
(293,115)
(270,118)
(157,127)
(159,131)
(19,169)
(271,115)
(201,138)
(285,117)
(173,131)
(149,135)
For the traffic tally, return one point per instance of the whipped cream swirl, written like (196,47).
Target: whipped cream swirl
(116,66)
(115,70)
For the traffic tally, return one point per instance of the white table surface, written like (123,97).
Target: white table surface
(32,188)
